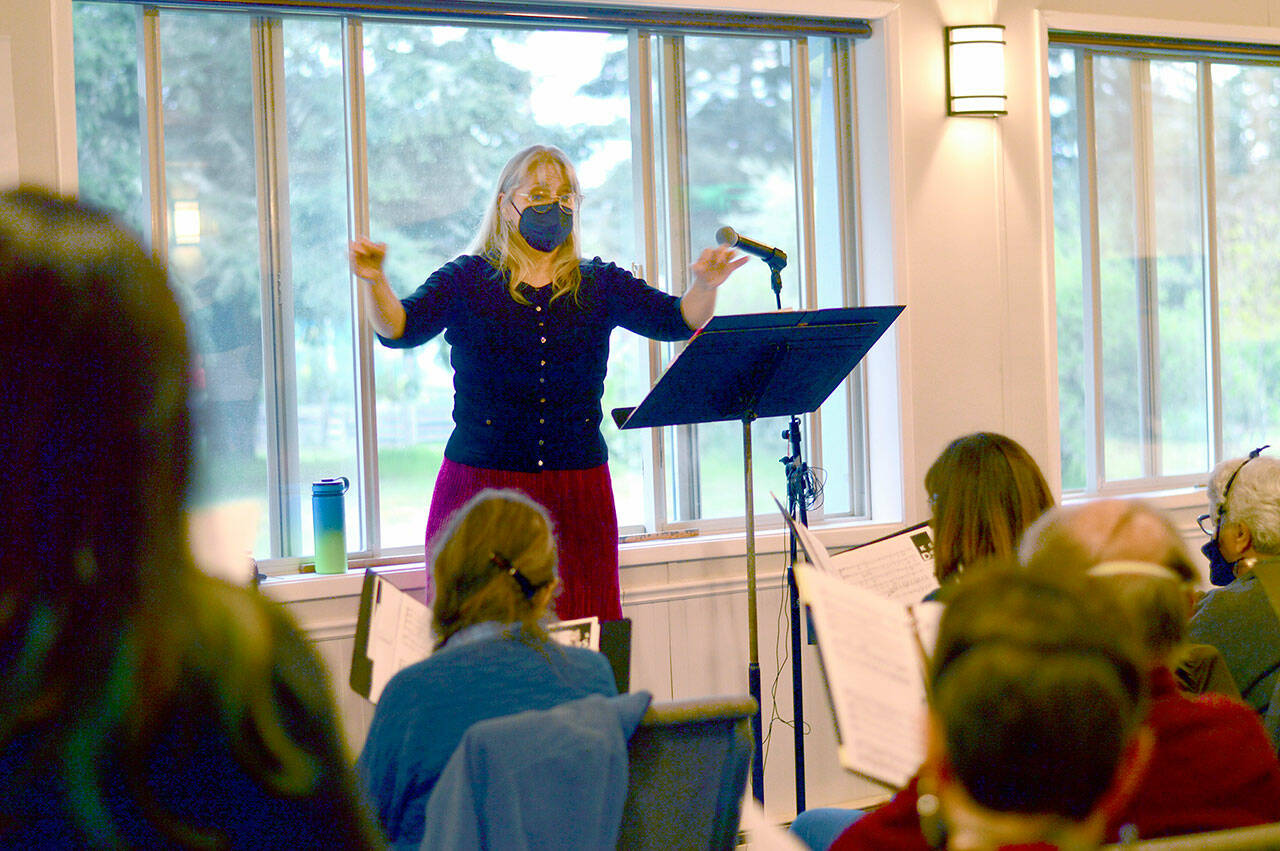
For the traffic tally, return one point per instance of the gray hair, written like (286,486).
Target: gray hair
(1254,499)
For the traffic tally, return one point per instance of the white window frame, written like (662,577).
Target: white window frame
(1147,39)
(286,533)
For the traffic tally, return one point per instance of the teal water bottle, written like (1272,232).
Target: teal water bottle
(328,514)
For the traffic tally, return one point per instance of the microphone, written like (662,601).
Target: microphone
(775,257)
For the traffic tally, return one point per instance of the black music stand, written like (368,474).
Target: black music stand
(750,366)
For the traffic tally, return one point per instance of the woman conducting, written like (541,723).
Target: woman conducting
(495,571)
(528,324)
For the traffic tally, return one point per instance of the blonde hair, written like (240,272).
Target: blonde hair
(497,533)
(501,244)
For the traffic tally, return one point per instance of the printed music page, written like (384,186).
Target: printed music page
(399,633)
(393,630)
(580,632)
(873,651)
(871,657)
(898,566)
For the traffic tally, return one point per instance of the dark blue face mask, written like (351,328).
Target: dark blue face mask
(1221,571)
(546,226)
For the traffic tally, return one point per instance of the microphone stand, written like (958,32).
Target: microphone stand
(797,477)
(775,278)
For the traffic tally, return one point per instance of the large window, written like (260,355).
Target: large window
(1166,170)
(248,148)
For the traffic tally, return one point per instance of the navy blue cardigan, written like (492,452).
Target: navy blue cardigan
(528,378)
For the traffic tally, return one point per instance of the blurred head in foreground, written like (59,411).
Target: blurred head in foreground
(1034,709)
(114,644)
(1132,547)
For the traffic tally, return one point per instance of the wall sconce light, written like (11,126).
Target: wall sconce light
(975,71)
(186,222)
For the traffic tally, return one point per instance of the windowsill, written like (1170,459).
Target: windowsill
(683,548)
(1170,499)
(301,587)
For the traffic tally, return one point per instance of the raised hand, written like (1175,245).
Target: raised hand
(714,265)
(366,258)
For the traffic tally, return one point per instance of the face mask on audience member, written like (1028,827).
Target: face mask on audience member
(546,228)
(1221,571)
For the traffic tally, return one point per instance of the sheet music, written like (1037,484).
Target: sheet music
(872,650)
(899,566)
(872,662)
(582,632)
(399,633)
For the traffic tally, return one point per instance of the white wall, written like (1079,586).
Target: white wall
(961,235)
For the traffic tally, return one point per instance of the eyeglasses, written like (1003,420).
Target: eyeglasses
(541,201)
(1203,519)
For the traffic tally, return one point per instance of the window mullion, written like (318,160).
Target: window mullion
(644,181)
(802,142)
(844,96)
(153,132)
(284,496)
(1145,265)
(806,239)
(358,224)
(1209,208)
(1095,455)
(685,477)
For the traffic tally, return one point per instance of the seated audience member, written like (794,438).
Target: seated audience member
(1239,618)
(145,704)
(1034,716)
(1212,766)
(984,490)
(494,566)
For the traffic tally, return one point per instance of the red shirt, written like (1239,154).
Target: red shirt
(1212,768)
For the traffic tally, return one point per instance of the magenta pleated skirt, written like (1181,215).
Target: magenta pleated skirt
(580,503)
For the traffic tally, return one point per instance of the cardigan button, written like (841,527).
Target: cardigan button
(539,462)
(538,308)
(543,339)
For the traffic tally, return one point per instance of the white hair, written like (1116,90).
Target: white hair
(1254,499)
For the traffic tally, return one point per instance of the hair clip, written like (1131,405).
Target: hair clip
(527,588)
